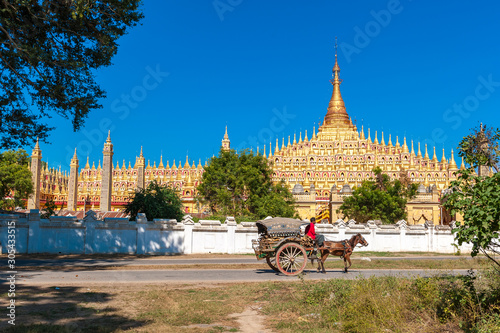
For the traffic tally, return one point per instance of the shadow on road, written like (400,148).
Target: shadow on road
(66,309)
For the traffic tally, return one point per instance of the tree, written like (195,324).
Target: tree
(15,179)
(241,184)
(49,209)
(477,198)
(156,201)
(379,199)
(48,52)
(481,147)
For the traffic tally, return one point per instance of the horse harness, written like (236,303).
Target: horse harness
(347,248)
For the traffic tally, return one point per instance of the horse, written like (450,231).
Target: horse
(343,249)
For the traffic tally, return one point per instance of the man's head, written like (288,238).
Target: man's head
(313,220)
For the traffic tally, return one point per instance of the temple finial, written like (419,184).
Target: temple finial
(108,140)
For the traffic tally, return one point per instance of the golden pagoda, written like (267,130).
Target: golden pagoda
(323,170)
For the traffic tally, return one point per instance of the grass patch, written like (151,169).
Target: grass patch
(468,303)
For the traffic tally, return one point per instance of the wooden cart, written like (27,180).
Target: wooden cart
(283,245)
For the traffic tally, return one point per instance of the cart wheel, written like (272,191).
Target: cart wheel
(291,259)
(271,261)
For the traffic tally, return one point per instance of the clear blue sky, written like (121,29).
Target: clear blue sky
(425,69)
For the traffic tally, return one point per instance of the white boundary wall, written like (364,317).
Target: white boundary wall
(67,235)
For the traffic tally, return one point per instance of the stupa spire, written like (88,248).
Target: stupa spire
(405,146)
(453,165)
(336,113)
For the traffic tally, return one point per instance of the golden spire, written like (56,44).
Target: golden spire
(87,166)
(443,159)
(419,155)
(189,182)
(168,164)
(174,167)
(99,166)
(376,138)
(186,165)
(434,158)
(462,166)
(108,140)
(226,143)
(154,164)
(390,141)
(383,141)
(426,153)
(305,138)
(362,134)
(199,164)
(288,141)
(283,144)
(161,162)
(117,165)
(336,113)
(300,137)
(276,150)
(123,165)
(294,138)
(264,154)
(412,149)
(270,150)
(314,133)
(397,142)
(129,165)
(452,165)
(369,138)
(405,147)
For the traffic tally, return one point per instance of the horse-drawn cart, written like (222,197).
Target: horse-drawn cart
(286,249)
(282,244)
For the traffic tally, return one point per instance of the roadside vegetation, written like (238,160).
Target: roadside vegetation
(468,303)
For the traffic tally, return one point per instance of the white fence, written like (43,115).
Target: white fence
(67,235)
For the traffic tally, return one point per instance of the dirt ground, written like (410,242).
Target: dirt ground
(115,307)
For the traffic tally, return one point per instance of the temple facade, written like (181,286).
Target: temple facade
(323,169)
(320,170)
(109,187)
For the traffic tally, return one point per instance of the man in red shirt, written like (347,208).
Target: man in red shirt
(311,232)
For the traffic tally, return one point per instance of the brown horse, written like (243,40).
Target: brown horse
(342,249)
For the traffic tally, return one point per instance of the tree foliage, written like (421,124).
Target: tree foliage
(156,201)
(48,52)
(477,198)
(241,184)
(481,147)
(15,179)
(379,199)
(48,209)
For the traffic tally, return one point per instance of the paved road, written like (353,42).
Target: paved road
(84,278)
(178,261)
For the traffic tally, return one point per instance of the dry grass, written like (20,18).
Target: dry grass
(383,304)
